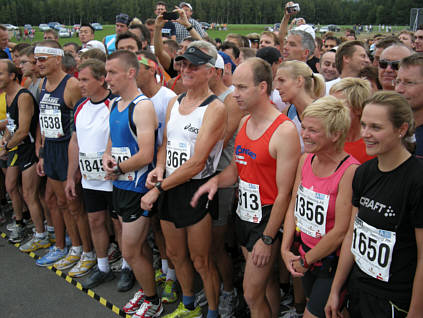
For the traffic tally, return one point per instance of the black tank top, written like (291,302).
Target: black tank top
(13,117)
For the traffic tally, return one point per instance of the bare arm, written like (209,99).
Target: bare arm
(73,154)
(72,93)
(146,122)
(26,111)
(183,20)
(164,58)
(283,30)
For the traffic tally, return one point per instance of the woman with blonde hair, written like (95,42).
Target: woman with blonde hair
(354,92)
(298,86)
(320,206)
(381,259)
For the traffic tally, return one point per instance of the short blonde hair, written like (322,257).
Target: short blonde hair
(334,115)
(355,90)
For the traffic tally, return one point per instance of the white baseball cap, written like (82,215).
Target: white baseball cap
(220,64)
(306,28)
(94,44)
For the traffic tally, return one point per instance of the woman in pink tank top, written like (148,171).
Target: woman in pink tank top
(320,208)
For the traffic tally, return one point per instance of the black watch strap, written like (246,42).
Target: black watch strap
(158,185)
(268,240)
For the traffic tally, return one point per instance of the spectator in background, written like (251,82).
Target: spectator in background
(327,66)
(254,40)
(51,35)
(389,64)
(235,38)
(418,41)
(121,26)
(407,37)
(128,41)
(232,50)
(350,35)
(330,42)
(4,41)
(169,29)
(246,53)
(86,34)
(382,44)
(268,38)
(350,58)
(184,31)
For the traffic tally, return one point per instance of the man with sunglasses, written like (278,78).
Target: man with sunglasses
(389,63)
(121,26)
(409,83)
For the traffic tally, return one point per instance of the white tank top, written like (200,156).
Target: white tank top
(92,129)
(182,132)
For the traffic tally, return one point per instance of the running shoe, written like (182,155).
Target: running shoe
(149,310)
(113,253)
(228,303)
(135,303)
(97,277)
(200,299)
(126,280)
(71,259)
(10,227)
(182,311)
(159,276)
(35,243)
(3,218)
(17,235)
(169,294)
(290,313)
(83,267)
(53,255)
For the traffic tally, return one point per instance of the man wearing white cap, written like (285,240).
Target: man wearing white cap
(183,32)
(93,44)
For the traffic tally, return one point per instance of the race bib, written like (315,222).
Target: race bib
(249,203)
(91,166)
(310,211)
(177,152)
(121,154)
(372,249)
(51,123)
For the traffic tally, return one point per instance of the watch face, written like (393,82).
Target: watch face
(267,240)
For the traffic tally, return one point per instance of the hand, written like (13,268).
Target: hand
(261,253)
(289,4)
(289,258)
(155,175)
(182,17)
(160,22)
(209,187)
(108,165)
(40,167)
(149,198)
(298,267)
(70,189)
(332,306)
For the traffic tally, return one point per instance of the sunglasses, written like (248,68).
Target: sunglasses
(41,59)
(394,64)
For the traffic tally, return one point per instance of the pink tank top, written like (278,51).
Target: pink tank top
(316,198)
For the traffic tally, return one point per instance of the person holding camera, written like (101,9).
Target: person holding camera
(183,31)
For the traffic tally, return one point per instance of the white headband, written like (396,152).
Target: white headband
(48,50)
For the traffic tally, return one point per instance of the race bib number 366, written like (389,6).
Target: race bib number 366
(177,152)
(249,203)
(372,249)
(121,154)
(310,211)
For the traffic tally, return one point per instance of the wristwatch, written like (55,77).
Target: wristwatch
(158,185)
(303,262)
(268,240)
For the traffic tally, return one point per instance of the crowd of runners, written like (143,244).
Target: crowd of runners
(301,152)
